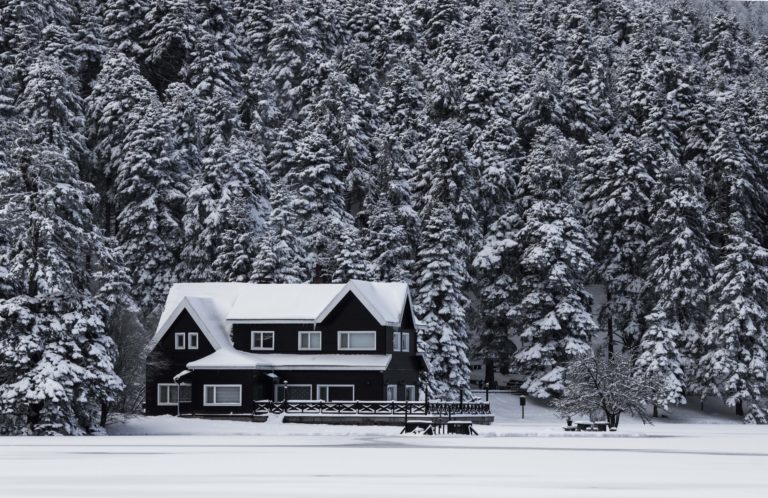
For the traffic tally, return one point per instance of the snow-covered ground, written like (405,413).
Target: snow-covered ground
(687,454)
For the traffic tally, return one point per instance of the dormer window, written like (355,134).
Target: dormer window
(180,340)
(192,340)
(262,340)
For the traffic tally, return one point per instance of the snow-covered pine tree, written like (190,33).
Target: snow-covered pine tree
(149,201)
(733,365)
(679,272)
(315,193)
(281,257)
(114,109)
(168,40)
(616,190)
(392,225)
(56,362)
(551,307)
(440,280)
(350,262)
(448,174)
(228,196)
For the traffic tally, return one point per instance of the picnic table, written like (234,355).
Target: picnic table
(460,427)
(416,426)
(584,425)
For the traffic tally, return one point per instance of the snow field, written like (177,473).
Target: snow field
(678,457)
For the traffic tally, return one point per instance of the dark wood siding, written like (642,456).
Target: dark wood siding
(368,385)
(350,314)
(165,360)
(245,378)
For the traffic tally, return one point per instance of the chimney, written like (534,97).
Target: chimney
(318,277)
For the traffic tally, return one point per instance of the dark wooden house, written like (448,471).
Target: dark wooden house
(221,346)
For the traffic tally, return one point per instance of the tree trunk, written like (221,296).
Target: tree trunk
(655,411)
(489,370)
(739,408)
(610,326)
(104,414)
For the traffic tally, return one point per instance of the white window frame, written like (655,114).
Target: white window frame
(393,387)
(180,344)
(395,341)
(279,386)
(309,341)
(260,334)
(166,385)
(328,386)
(413,390)
(207,402)
(189,340)
(405,342)
(367,332)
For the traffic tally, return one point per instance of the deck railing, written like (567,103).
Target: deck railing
(439,408)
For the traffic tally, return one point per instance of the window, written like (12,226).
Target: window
(391,392)
(262,340)
(297,392)
(405,342)
(192,340)
(395,341)
(222,394)
(410,393)
(336,392)
(309,340)
(167,395)
(180,340)
(357,341)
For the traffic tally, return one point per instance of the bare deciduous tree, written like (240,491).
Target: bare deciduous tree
(596,383)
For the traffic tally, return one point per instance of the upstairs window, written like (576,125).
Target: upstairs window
(180,340)
(310,340)
(405,342)
(262,340)
(395,341)
(363,340)
(192,340)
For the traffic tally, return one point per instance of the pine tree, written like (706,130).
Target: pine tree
(441,277)
(679,272)
(56,362)
(149,203)
(736,339)
(391,233)
(617,189)
(232,178)
(281,257)
(551,309)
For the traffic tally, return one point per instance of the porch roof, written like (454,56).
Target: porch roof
(232,359)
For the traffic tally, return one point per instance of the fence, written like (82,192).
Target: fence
(439,408)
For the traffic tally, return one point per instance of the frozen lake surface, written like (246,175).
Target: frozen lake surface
(690,455)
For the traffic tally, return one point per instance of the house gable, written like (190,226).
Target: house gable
(184,323)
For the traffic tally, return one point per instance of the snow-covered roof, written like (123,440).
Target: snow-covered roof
(228,358)
(214,306)
(282,302)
